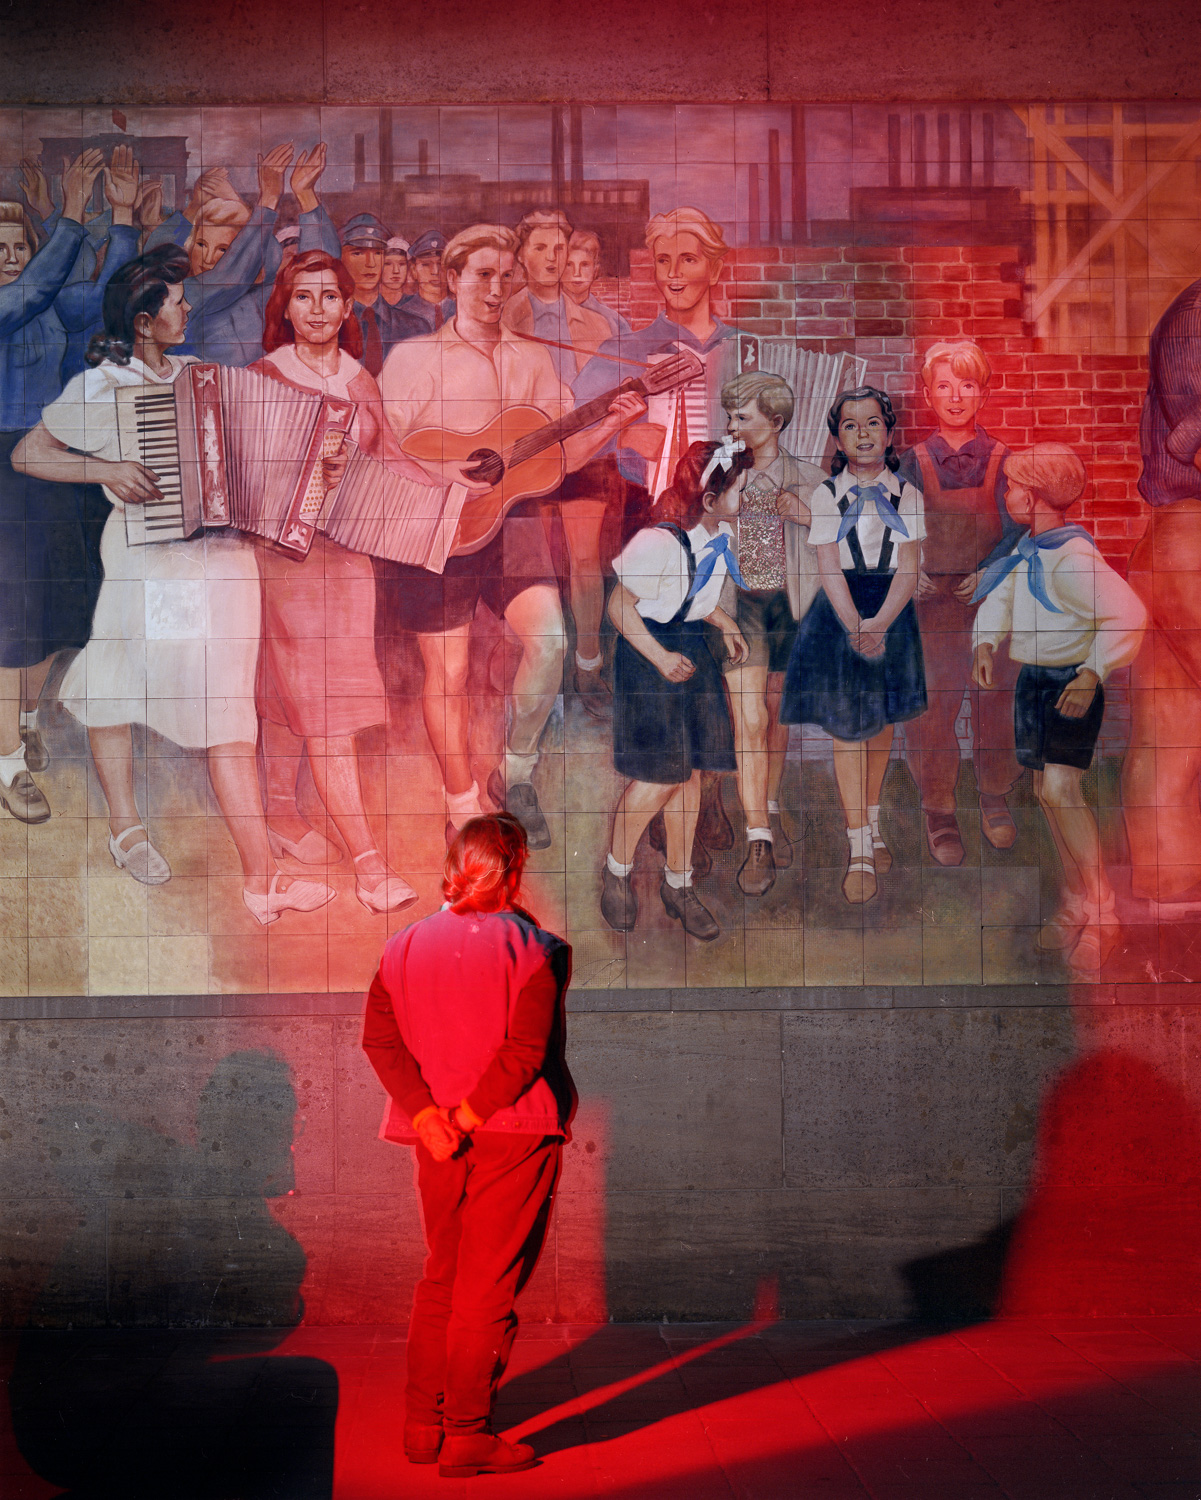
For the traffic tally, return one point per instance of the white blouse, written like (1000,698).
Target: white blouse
(905,498)
(652,565)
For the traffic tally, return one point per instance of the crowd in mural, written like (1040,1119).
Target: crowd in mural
(718,588)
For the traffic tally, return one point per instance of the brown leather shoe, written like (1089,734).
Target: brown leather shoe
(619,904)
(593,692)
(942,835)
(481,1453)
(781,841)
(37,757)
(996,823)
(24,799)
(522,801)
(758,872)
(690,912)
(423,1441)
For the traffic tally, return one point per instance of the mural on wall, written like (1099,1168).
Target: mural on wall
(787,512)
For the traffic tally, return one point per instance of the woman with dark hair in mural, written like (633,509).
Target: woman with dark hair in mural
(856,667)
(319,683)
(465,1027)
(671,717)
(49,533)
(688,251)
(175,640)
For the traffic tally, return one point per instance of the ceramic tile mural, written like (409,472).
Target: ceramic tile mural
(365,469)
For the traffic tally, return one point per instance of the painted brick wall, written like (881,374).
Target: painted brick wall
(889,303)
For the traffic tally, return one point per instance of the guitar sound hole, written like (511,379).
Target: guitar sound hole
(489,466)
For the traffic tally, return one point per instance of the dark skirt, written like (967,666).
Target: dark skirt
(663,731)
(50,569)
(831,685)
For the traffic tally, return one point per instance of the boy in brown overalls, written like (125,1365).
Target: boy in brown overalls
(960,472)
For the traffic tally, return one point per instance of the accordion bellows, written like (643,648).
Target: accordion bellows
(232,448)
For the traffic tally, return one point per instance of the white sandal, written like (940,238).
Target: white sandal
(141,858)
(389,893)
(301,895)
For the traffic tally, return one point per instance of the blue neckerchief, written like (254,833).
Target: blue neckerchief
(1028,547)
(715,547)
(884,509)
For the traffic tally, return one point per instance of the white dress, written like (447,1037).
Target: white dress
(175,640)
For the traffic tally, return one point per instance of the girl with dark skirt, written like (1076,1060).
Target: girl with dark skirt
(671,719)
(856,667)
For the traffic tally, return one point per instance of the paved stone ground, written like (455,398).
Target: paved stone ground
(1102,1409)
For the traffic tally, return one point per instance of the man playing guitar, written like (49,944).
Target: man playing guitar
(459,379)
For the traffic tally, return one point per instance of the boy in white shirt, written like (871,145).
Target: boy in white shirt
(1071,622)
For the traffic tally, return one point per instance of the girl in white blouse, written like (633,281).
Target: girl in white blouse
(856,667)
(175,639)
(671,719)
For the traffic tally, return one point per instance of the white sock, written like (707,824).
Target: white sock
(873,819)
(860,841)
(519,768)
(29,719)
(773,807)
(758,833)
(460,806)
(589,663)
(677,882)
(12,765)
(622,871)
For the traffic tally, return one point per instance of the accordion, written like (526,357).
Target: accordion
(232,448)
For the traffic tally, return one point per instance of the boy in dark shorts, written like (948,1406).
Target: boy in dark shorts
(1071,621)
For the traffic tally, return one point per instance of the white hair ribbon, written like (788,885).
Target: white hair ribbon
(723,458)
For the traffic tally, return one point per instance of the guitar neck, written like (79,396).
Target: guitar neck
(569,423)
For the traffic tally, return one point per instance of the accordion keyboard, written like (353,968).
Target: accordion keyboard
(148,435)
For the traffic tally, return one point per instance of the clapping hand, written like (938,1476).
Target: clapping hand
(272,168)
(122,181)
(36,187)
(149,204)
(78,177)
(309,167)
(214,183)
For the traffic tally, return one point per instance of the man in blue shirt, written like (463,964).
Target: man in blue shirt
(383,326)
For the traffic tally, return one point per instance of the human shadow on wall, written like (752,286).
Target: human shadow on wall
(115,1389)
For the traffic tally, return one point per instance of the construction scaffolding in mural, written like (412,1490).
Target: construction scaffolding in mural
(786,512)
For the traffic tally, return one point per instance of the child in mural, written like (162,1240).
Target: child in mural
(670,716)
(779,583)
(960,472)
(175,640)
(856,667)
(688,253)
(1071,621)
(49,533)
(319,684)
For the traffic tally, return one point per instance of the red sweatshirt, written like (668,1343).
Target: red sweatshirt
(471,1007)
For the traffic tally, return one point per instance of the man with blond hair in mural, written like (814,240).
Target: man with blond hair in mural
(571,333)
(1160,777)
(457,380)
(688,252)
(960,471)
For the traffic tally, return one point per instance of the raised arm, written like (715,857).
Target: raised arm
(44,277)
(81,303)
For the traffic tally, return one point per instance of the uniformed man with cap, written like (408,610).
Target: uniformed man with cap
(429,303)
(364,241)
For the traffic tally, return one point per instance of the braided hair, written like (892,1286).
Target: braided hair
(140,286)
(862,393)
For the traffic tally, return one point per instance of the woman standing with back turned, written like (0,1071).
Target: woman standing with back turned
(465,1029)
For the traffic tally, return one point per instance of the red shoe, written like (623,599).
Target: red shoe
(481,1453)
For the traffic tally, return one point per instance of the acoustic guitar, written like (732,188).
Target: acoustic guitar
(520,452)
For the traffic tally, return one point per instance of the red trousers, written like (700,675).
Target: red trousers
(486,1213)
(931,749)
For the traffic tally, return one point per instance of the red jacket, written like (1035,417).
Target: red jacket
(472,1007)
